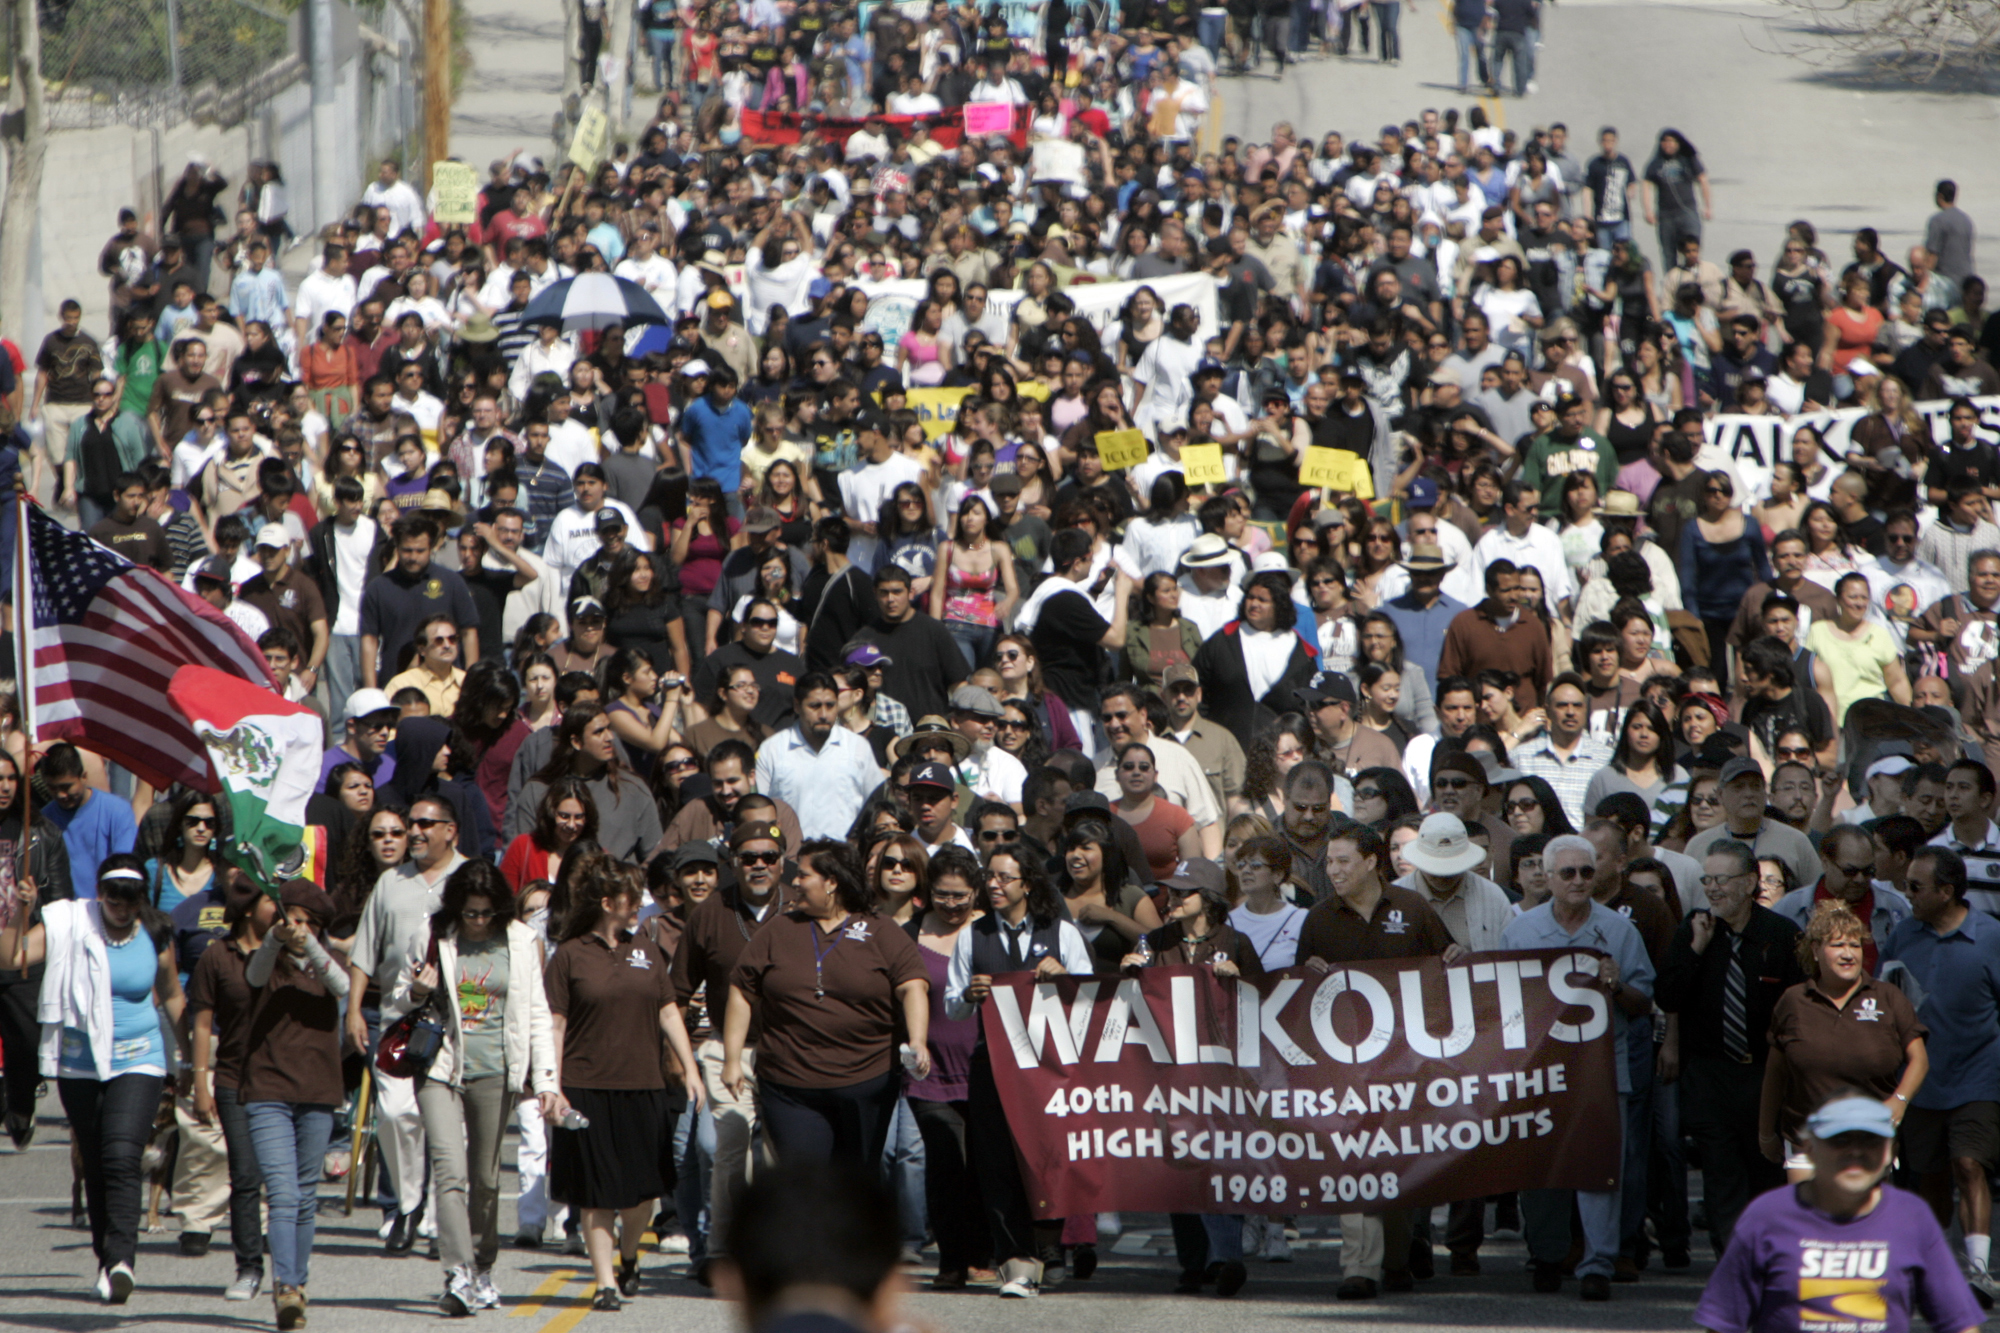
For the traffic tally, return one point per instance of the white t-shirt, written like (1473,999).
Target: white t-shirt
(1167,370)
(351,549)
(191,456)
(1274,935)
(863,493)
(657,275)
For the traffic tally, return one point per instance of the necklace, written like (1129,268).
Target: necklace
(820,956)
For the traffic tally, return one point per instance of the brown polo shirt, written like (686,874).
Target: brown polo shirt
(1828,1049)
(291,1042)
(291,602)
(219,985)
(846,1035)
(1649,916)
(1403,925)
(711,940)
(610,1000)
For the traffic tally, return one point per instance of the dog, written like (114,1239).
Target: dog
(156,1164)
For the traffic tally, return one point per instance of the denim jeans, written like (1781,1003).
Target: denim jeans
(111,1122)
(975,641)
(1607,232)
(1638,1142)
(661,45)
(694,1150)
(342,673)
(1469,49)
(1209,29)
(1514,46)
(1387,18)
(903,1162)
(290,1142)
(246,1183)
(91,510)
(1277,31)
(1201,1239)
(1302,12)
(1545,1218)
(1666,1174)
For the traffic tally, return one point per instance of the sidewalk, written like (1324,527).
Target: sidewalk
(510,96)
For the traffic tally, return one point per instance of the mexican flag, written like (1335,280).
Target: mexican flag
(264,758)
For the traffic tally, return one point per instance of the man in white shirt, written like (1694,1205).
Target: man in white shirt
(1189,102)
(645,265)
(1166,374)
(389,190)
(1527,543)
(1208,597)
(822,770)
(997,87)
(573,534)
(411,398)
(329,291)
(551,352)
(988,770)
(1901,586)
(865,489)
(544,593)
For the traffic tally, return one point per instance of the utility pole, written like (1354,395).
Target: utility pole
(437,87)
(326,182)
(25,132)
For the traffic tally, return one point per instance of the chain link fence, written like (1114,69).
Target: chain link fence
(157,62)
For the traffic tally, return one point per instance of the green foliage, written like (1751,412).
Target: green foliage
(119,44)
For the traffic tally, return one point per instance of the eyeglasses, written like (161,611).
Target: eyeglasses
(1523,806)
(951,900)
(1717,881)
(1009,655)
(387,833)
(101,393)
(1451,784)
(762,622)
(1573,872)
(683,765)
(1704,800)
(1793,752)
(198,821)
(469,915)
(1000,835)
(758,858)
(747,684)
(428,824)
(437,639)
(1001,877)
(897,863)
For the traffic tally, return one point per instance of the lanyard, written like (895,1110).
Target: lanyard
(820,956)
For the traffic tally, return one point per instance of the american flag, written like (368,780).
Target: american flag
(106,637)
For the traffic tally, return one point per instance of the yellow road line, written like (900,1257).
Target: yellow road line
(551,1286)
(1211,130)
(1495,112)
(569,1318)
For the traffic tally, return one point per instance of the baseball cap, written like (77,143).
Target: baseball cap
(695,369)
(1423,494)
(1200,874)
(696,853)
(608,518)
(363,702)
(932,774)
(761,518)
(755,830)
(1005,483)
(586,606)
(1889,766)
(868,655)
(1852,1115)
(273,535)
(719,299)
(1331,687)
(1180,675)
(216,569)
(1084,802)
(1739,768)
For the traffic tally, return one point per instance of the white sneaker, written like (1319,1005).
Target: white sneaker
(1017,1287)
(1532,90)
(1109,1224)
(673,1243)
(485,1295)
(103,1285)
(120,1281)
(244,1288)
(459,1298)
(1253,1237)
(1277,1250)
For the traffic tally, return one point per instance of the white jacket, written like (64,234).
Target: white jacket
(76,984)
(526,1029)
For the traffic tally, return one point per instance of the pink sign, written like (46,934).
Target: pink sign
(989,117)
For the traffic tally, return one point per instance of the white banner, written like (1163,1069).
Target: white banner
(1755,443)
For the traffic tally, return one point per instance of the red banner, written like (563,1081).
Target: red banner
(782,127)
(1368,1087)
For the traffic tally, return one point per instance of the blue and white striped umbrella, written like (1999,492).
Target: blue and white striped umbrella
(594,301)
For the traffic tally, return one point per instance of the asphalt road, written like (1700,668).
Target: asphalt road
(1782,138)
(46,1275)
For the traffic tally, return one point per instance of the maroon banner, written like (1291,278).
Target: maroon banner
(1370,1086)
(782,127)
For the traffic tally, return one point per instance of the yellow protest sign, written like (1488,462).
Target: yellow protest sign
(454,193)
(1034,389)
(1203,464)
(937,409)
(1122,448)
(587,145)
(1338,470)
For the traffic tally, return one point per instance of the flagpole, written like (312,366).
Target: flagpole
(24,676)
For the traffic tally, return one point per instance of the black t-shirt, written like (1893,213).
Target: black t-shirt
(925,662)
(1977,467)
(1068,637)
(489,589)
(139,541)
(776,673)
(1801,710)
(394,604)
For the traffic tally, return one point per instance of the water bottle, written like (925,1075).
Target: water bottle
(1145,951)
(909,1055)
(573,1119)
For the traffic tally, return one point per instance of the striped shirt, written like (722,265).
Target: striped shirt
(1569,776)
(1982,866)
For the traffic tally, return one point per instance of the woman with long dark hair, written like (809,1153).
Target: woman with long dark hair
(1157,635)
(628,819)
(731,712)
(827,964)
(1382,641)
(1642,762)
(599,1000)
(425,764)
(1018,733)
(897,866)
(1107,906)
(1252,666)
(1531,806)
(1382,796)
(498,1040)
(110,962)
(643,611)
(644,713)
(1276,749)
(973,588)
(1021,678)
(565,816)
(909,537)
(487,728)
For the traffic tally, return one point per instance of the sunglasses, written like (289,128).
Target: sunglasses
(683,765)
(1704,800)
(387,833)
(198,821)
(428,824)
(1451,784)
(898,863)
(1574,872)
(1000,835)
(1523,806)
(762,622)
(758,858)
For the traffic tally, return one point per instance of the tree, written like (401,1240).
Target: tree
(25,133)
(1917,40)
